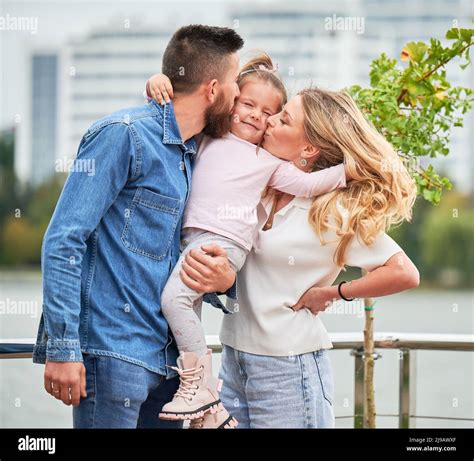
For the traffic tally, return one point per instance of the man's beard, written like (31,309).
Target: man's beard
(217,118)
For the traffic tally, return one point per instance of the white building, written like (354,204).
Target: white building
(104,72)
(44,120)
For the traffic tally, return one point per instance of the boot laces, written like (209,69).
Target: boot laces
(187,377)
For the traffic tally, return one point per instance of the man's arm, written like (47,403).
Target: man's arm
(101,169)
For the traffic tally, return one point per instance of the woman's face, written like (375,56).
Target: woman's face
(285,137)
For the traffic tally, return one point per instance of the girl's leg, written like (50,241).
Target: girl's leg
(177,305)
(198,393)
(181,305)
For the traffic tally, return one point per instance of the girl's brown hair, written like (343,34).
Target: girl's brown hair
(261,68)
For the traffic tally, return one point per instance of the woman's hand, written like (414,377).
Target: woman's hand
(208,270)
(160,89)
(316,299)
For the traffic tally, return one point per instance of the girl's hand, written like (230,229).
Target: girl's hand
(316,299)
(208,270)
(159,88)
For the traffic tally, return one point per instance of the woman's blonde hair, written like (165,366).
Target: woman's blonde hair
(382,192)
(261,67)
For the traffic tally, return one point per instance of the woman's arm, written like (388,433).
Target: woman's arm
(396,275)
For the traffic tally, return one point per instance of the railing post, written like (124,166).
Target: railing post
(359,389)
(407,387)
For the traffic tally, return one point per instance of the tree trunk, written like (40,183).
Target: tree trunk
(369,363)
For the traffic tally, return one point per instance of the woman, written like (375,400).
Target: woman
(275,367)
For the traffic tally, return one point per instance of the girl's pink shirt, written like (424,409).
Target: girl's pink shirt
(229,178)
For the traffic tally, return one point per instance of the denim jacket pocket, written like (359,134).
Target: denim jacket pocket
(151,223)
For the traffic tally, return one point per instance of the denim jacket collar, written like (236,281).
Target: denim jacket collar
(171,133)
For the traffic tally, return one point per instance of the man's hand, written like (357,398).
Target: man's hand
(316,299)
(66,381)
(208,270)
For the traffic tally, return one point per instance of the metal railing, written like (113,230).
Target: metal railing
(406,343)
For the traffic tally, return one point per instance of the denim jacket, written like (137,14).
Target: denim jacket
(113,240)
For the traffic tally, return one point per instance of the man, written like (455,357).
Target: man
(114,239)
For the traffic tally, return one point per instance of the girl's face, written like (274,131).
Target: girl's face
(285,137)
(257,101)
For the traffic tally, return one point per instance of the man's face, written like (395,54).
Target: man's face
(218,115)
(228,86)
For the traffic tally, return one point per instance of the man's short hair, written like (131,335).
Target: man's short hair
(197,53)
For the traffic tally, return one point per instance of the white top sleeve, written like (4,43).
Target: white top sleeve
(370,257)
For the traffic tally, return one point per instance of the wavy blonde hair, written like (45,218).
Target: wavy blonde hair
(382,192)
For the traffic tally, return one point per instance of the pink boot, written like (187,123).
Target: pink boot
(198,391)
(219,420)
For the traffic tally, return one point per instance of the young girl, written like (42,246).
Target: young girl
(229,177)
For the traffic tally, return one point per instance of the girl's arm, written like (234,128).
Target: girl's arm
(396,275)
(159,88)
(290,179)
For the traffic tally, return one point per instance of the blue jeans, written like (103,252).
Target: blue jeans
(278,392)
(123,395)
